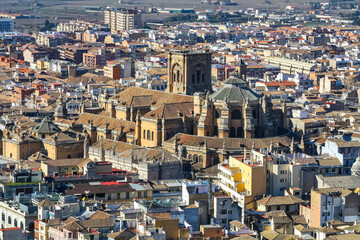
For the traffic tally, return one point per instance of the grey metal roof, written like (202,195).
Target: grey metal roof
(46,127)
(235,90)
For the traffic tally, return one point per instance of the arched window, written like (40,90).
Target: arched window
(232,132)
(148,135)
(3,216)
(190,157)
(217,113)
(144,135)
(21,225)
(15,222)
(9,220)
(215,131)
(195,158)
(69,156)
(178,76)
(200,159)
(152,136)
(240,132)
(236,114)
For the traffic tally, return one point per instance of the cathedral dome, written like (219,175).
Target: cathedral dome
(235,90)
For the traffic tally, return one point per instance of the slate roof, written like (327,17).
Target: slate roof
(46,127)
(235,90)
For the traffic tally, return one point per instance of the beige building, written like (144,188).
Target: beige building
(112,71)
(120,19)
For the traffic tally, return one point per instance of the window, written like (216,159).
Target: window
(283,171)
(323,214)
(283,180)
(3,217)
(254,113)
(223,220)
(236,114)
(15,222)
(148,135)
(21,225)
(223,212)
(9,220)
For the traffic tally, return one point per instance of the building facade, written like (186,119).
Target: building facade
(119,19)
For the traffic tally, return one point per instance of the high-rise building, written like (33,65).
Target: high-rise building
(120,19)
(6,25)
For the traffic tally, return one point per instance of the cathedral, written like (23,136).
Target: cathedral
(190,122)
(190,106)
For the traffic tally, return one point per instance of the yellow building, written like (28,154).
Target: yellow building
(244,177)
(63,166)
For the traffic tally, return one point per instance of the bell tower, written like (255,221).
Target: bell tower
(189,72)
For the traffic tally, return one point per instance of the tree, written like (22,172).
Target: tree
(47,26)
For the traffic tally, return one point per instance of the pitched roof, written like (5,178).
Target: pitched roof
(301,228)
(100,215)
(158,98)
(66,162)
(280,200)
(122,235)
(46,127)
(99,121)
(230,143)
(172,111)
(46,203)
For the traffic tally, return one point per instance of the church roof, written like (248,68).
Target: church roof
(158,98)
(230,143)
(46,127)
(99,121)
(235,80)
(235,90)
(172,111)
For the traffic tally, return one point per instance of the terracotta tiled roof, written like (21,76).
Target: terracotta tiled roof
(172,111)
(158,98)
(280,200)
(99,121)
